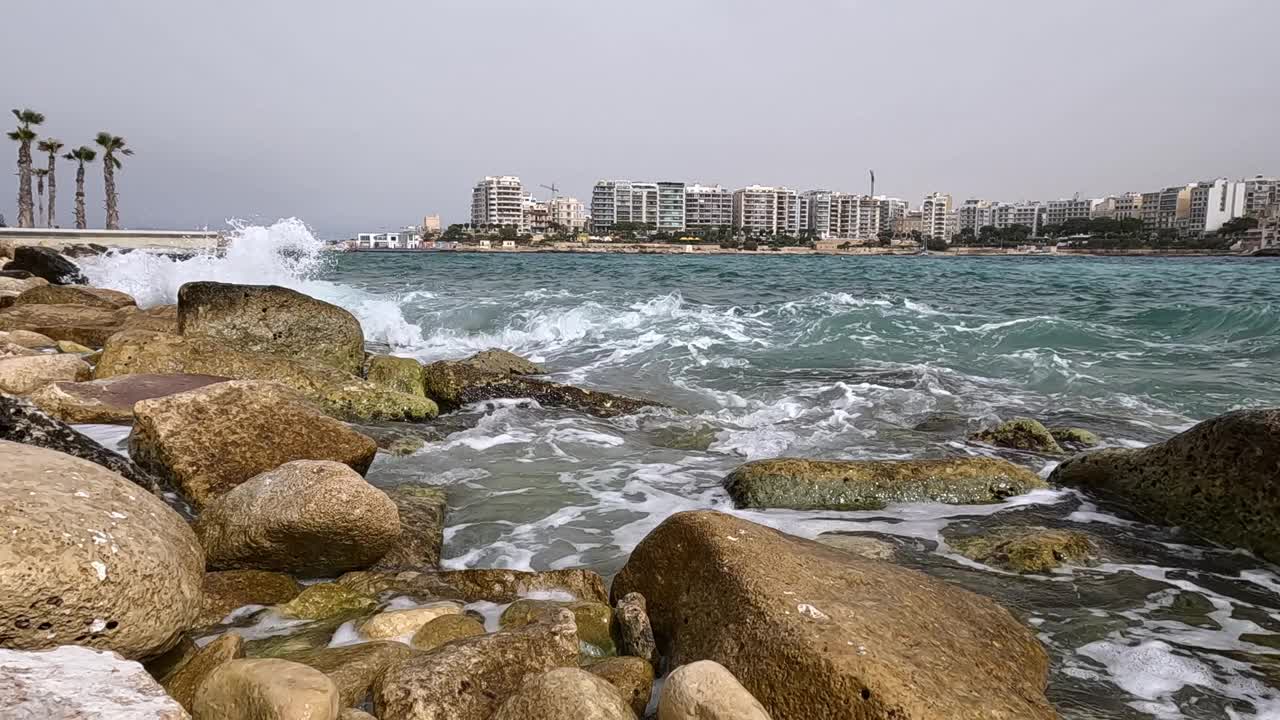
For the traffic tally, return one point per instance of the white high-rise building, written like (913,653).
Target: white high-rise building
(1225,201)
(708,206)
(498,201)
(761,209)
(657,205)
(567,212)
(1260,193)
(1059,211)
(934,212)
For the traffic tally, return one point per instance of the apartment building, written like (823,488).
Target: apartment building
(761,209)
(535,216)
(660,205)
(671,206)
(567,212)
(708,206)
(936,217)
(498,201)
(976,214)
(912,222)
(1260,194)
(1166,209)
(1057,212)
(1118,207)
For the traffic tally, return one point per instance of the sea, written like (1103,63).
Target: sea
(762,356)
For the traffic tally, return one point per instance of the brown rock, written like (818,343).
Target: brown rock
(1026,549)
(83,324)
(228,590)
(66,346)
(454,384)
(565,694)
(494,585)
(111,400)
(468,679)
(169,661)
(390,624)
(266,690)
(307,517)
(395,373)
(631,676)
(502,361)
(161,319)
(8,350)
(593,619)
(705,690)
(89,558)
(182,684)
(354,668)
(75,295)
(23,375)
(211,439)
(28,339)
(812,631)
(422,511)
(354,714)
(634,631)
(325,600)
(444,629)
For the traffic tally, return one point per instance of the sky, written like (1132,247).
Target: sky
(368,115)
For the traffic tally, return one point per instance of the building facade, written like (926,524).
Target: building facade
(934,212)
(707,206)
(660,206)
(1057,212)
(498,201)
(568,213)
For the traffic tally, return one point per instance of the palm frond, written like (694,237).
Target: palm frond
(23,134)
(50,145)
(27,116)
(83,153)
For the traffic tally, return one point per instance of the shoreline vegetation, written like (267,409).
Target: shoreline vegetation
(631,248)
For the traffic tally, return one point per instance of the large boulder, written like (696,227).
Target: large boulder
(183,682)
(395,373)
(496,585)
(421,529)
(705,690)
(79,683)
(83,324)
(228,590)
(10,282)
(813,632)
(453,384)
(75,295)
(354,668)
(43,262)
(111,400)
(307,517)
(273,320)
(266,689)
(468,679)
(23,422)
(340,394)
(22,375)
(28,339)
(1220,479)
(801,484)
(209,440)
(89,558)
(565,694)
(632,676)
(1020,434)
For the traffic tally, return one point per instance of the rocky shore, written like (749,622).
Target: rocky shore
(239,566)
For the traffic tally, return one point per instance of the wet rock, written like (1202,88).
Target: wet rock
(443,629)
(401,623)
(631,676)
(169,661)
(1217,479)
(634,631)
(422,511)
(267,689)
(801,484)
(565,694)
(46,263)
(493,585)
(454,384)
(1026,549)
(112,400)
(8,350)
(706,690)
(326,600)
(228,590)
(395,373)
(403,445)
(468,679)
(678,437)
(28,339)
(860,545)
(66,346)
(209,440)
(1020,434)
(23,422)
(298,638)
(75,295)
(23,375)
(273,320)
(773,608)
(353,668)
(89,558)
(943,422)
(594,621)
(83,324)
(1074,438)
(339,393)
(182,684)
(354,714)
(73,682)
(502,361)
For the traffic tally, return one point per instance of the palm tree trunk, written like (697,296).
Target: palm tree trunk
(53,190)
(109,183)
(26,218)
(81,224)
(40,196)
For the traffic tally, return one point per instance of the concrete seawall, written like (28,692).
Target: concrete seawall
(139,239)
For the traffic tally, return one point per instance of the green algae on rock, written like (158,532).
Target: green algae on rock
(1072,438)
(1020,434)
(594,620)
(1026,549)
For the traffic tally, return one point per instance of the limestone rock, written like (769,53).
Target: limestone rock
(860,545)
(89,558)
(23,422)
(308,517)
(1218,479)
(443,629)
(813,632)
(398,623)
(1020,434)
(594,621)
(354,714)
(705,690)
(340,394)
(631,676)
(112,400)
(171,660)
(75,295)
(161,318)
(565,694)
(183,683)
(273,320)
(490,584)
(228,590)
(22,375)
(28,339)
(454,384)
(209,440)
(83,324)
(468,679)
(353,668)
(395,373)
(1026,549)
(634,631)
(501,361)
(45,263)
(79,683)
(266,689)
(326,600)
(422,511)
(66,346)
(315,635)
(1072,438)
(8,350)
(7,298)
(872,484)
(11,282)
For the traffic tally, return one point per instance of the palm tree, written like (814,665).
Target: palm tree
(51,146)
(40,174)
(24,135)
(83,154)
(111,145)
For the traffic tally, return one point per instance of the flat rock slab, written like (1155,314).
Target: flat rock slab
(84,324)
(78,683)
(111,400)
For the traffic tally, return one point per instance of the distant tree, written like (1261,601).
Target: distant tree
(750,245)
(455,232)
(508,232)
(112,147)
(52,146)
(916,237)
(964,237)
(1238,226)
(24,135)
(885,236)
(937,244)
(83,154)
(989,235)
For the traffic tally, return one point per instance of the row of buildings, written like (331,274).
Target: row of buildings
(674,207)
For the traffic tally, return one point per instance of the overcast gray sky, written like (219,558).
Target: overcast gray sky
(362,115)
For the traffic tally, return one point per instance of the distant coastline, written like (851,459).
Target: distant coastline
(677,249)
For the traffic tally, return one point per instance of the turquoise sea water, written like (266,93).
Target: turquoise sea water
(842,357)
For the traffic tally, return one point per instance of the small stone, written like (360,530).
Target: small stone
(594,621)
(632,676)
(269,689)
(1020,434)
(325,600)
(565,693)
(443,629)
(705,690)
(1027,549)
(66,346)
(634,631)
(399,623)
(405,445)
(183,684)
(354,714)
(75,682)
(1074,438)
(502,361)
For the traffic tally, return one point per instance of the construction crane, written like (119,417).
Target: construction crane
(873,183)
(552,187)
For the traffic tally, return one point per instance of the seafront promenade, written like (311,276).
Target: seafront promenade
(194,240)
